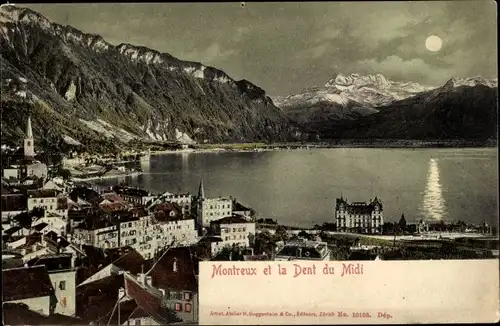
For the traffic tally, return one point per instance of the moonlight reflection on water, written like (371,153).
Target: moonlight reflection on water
(433,204)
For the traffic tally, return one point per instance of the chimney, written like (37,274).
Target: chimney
(142,278)
(73,259)
(121,293)
(149,280)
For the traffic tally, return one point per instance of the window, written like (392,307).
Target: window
(130,225)
(187,307)
(187,296)
(178,307)
(174,265)
(62,285)
(137,322)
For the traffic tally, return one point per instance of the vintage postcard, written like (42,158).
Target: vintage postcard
(249,163)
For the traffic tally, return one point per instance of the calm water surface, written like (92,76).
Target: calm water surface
(299,187)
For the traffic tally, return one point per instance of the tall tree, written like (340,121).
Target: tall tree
(402,223)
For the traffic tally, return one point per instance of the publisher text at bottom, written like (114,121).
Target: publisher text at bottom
(302,314)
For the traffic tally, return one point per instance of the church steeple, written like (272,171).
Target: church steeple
(29,146)
(201,191)
(29,131)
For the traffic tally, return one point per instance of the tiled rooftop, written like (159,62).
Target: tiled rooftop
(26,282)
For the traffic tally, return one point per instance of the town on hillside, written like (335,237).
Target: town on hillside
(76,253)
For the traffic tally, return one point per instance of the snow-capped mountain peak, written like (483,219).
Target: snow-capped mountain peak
(470,81)
(357,80)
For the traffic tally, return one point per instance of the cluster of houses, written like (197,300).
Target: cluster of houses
(73,253)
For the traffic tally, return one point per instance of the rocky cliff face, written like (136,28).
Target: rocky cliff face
(77,86)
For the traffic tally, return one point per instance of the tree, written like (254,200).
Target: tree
(264,243)
(402,223)
(281,234)
(303,234)
(251,239)
(64,173)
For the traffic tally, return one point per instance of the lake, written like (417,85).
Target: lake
(299,187)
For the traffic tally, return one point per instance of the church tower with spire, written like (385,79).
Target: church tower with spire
(199,204)
(29,146)
(201,191)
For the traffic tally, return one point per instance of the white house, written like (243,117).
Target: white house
(211,209)
(183,200)
(233,231)
(109,231)
(167,226)
(55,223)
(31,286)
(49,200)
(62,274)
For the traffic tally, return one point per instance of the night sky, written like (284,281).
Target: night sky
(286,47)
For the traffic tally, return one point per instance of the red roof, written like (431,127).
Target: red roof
(113,207)
(132,262)
(148,302)
(43,193)
(97,299)
(183,278)
(231,220)
(112,197)
(26,282)
(162,212)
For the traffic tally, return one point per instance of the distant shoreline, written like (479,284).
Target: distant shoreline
(131,174)
(260,147)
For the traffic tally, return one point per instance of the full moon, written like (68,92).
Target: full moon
(433,43)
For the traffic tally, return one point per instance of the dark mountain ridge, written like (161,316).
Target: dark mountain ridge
(79,86)
(460,111)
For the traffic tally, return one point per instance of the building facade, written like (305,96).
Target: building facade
(359,217)
(183,200)
(211,209)
(233,231)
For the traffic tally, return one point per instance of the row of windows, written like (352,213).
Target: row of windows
(220,206)
(236,237)
(187,307)
(220,213)
(131,241)
(186,296)
(130,224)
(48,200)
(242,229)
(51,207)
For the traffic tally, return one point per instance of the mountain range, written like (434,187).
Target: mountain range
(80,89)
(367,107)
